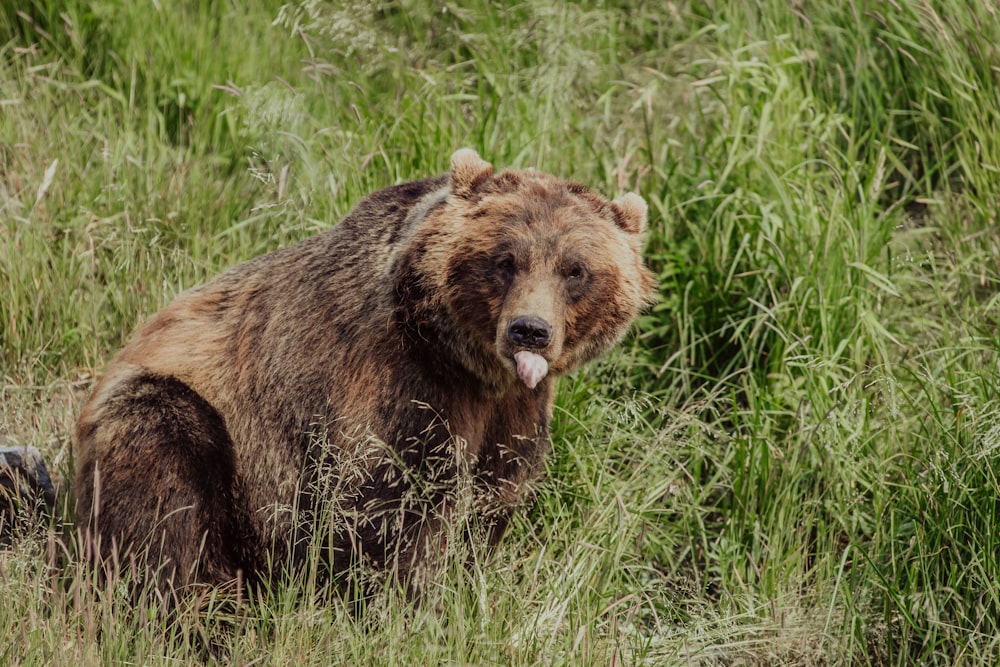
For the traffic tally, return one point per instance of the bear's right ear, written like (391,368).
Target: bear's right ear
(630,212)
(468,171)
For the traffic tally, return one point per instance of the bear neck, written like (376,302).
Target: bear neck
(444,352)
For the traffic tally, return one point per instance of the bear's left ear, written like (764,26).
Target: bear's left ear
(630,212)
(468,171)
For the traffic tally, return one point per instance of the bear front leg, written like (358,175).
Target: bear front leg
(397,520)
(504,474)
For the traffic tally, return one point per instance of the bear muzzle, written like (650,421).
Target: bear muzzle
(531,332)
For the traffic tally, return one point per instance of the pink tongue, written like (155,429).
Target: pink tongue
(531,367)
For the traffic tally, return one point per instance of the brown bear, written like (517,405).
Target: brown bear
(371,369)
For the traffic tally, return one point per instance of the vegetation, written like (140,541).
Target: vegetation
(795,458)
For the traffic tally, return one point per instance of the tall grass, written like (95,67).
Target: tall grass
(794,460)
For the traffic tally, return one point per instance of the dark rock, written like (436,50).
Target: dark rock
(26,491)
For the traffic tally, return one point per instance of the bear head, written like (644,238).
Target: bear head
(523,275)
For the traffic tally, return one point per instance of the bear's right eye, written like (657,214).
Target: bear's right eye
(506,265)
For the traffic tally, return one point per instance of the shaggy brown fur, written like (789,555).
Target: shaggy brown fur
(374,363)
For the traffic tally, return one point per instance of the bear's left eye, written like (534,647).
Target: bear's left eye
(574,272)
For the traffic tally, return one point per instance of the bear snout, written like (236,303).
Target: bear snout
(530,332)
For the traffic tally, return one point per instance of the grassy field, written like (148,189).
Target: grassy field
(793,461)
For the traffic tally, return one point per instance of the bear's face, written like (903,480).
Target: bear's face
(539,275)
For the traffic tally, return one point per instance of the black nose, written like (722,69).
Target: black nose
(529,332)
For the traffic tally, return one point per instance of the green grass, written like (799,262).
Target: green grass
(795,458)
